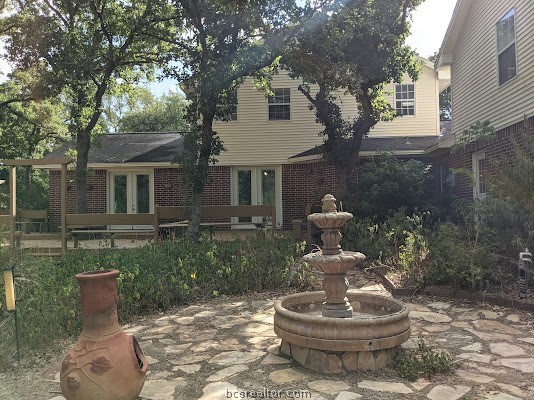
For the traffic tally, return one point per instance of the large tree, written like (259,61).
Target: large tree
(222,42)
(85,47)
(358,50)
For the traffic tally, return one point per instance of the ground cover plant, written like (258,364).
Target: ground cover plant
(153,278)
(423,362)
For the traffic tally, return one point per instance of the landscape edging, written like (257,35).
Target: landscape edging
(456,294)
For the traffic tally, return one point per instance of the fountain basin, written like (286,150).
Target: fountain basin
(366,341)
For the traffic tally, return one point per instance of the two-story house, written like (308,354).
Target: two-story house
(272,154)
(488,51)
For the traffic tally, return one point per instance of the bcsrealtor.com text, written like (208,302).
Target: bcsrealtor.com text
(265,393)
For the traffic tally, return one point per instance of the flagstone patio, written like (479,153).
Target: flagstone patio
(226,348)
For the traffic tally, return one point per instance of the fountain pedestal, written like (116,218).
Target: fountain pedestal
(335,330)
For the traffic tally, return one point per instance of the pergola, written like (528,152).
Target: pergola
(59,162)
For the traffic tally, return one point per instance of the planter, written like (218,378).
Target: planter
(105,363)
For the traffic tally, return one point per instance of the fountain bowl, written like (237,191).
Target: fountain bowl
(334,264)
(367,341)
(330,220)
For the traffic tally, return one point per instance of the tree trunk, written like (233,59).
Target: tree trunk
(201,177)
(193,228)
(83,142)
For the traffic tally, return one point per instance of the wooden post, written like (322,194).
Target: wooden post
(12,203)
(156,224)
(64,208)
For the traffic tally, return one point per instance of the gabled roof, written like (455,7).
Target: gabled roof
(458,19)
(130,148)
(398,145)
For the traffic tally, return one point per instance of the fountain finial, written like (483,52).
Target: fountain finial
(329,203)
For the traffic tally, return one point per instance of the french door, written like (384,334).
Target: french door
(256,185)
(131,193)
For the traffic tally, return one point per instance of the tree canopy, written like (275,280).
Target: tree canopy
(361,48)
(83,49)
(164,114)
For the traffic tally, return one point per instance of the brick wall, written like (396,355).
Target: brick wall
(303,184)
(169,189)
(96,195)
(499,148)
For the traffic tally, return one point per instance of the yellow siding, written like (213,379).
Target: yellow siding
(476,94)
(254,140)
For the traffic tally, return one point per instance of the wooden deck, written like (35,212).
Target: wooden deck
(49,244)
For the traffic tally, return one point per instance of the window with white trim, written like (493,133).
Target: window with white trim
(227,110)
(479,170)
(280,105)
(506,57)
(405,99)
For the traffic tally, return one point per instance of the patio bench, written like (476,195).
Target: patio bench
(33,219)
(180,215)
(93,224)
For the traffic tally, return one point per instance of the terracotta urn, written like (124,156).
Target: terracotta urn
(105,363)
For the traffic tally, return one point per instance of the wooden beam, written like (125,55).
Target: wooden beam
(40,161)
(12,203)
(64,208)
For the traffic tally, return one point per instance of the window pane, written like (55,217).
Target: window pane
(279,112)
(121,194)
(404,99)
(481,176)
(143,194)
(506,31)
(268,189)
(244,191)
(507,67)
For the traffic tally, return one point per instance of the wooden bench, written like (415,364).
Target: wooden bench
(38,218)
(180,216)
(83,224)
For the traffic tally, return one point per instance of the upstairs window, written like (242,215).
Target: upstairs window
(405,99)
(280,105)
(506,47)
(227,108)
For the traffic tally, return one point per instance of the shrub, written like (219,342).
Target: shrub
(388,184)
(152,278)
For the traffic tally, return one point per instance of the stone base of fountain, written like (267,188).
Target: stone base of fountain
(366,341)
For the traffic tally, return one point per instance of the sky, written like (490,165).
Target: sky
(430,22)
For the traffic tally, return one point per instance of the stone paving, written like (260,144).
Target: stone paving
(227,349)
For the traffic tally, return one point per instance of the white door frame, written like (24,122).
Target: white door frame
(131,193)
(256,188)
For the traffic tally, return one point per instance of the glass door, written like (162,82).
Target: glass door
(254,186)
(130,193)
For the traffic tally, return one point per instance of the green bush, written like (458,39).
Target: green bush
(152,278)
(388,184)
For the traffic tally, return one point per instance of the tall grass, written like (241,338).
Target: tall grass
(152,278)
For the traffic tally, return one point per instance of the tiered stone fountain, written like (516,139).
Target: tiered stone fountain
(335,330)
